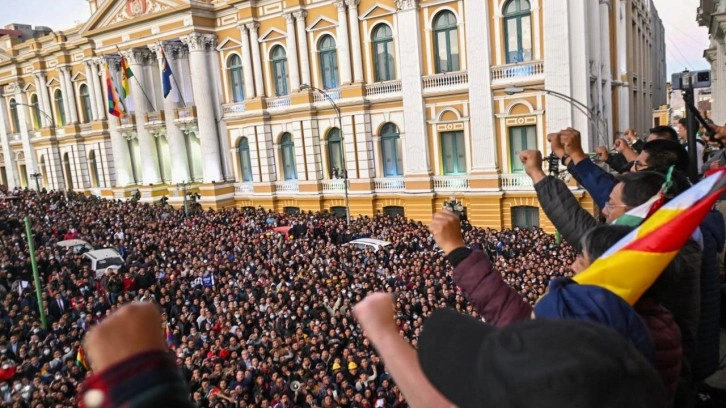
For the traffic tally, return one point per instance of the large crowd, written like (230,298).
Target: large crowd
(256,318)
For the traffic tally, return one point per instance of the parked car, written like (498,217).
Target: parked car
(79,246)
(104,259)
(366,243)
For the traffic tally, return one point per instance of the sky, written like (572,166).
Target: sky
(685,40)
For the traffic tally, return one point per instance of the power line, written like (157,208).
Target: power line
(684,61)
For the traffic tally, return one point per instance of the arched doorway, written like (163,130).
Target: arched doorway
(67,173)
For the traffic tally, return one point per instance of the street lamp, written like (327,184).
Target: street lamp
(14,103)
(183,185)
(589,112)
(344,169)
(36,176)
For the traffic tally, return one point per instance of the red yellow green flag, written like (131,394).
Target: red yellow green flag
(115,107)
(632,265)
(81,359)
(126,73)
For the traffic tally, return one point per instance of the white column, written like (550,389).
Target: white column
(481,121)
(10,168)
(42,89)
(91,91)
(31,165)
(557,64)
(247,63)
(414,114)
(174,135)
(69,96)
(149,155)
(343,47)
(606,85)
(256,59)
(100,106)
(579,70)
(622,67)
(292,53)
(355,40)
(303,45)
(203,99)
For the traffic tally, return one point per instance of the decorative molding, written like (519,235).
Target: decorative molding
(371,12)
(316,26)
(199,41)
(406,4)
(300,15)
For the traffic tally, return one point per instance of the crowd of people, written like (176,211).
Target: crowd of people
(256,318)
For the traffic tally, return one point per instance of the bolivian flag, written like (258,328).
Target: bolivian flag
(115,107)
(126,73)
(632,265)
(81,359)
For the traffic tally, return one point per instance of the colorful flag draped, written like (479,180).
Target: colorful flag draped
(115,107)
(169,338)
(81,359)
(126,73)
(165,74)
(632,265)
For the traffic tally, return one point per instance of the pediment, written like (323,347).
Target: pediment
(80,76)
(272,35)
(378,10)
(53,82)
(29,87)
(4,56)
(321,23)
(228,43)
(115,12)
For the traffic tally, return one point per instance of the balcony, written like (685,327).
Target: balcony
(389,184)
(333,186)
(516,182)
(154,119)
(510,73)
(85,127)
(451,183)
(448,79)
(333,93)
(186,114)
(279,102)
(128,121)
(233,109)
(383,88)
(244,188)
(15,137)
(289,186)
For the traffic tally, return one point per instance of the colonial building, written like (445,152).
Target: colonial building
(274,102)
(712,14)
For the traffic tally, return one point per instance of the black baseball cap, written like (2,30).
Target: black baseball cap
(535,363)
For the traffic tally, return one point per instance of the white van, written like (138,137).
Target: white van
(79,246)
(103,260)
(365,243)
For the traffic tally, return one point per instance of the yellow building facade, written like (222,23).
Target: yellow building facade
(274,102)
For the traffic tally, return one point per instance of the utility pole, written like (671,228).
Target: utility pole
(36,176)
(183,186)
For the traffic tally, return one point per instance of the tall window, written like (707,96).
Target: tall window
(446,42)
(85,103)
(287,148)
(525,216)
(234,66)
(453,153)
(335,153)
(383,53)
(520,138)
(328,62)
(58,98)
(14,116)
(93,167)
(279,70)
(36,111)
(244,159)
(518,31)
(391,151)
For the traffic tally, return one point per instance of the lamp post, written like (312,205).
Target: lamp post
(589,112)
(14,103)
(344,170)
(183,185)
(36,176)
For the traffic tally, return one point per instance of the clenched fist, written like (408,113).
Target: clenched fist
(602,151)
(446,229)
(571,142)
(375,314)
(532,161)
(556,144)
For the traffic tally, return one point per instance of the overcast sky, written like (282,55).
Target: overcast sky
(685,40)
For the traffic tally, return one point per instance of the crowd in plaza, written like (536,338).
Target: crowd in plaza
(256,318)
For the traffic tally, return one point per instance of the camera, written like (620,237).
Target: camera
(688,80)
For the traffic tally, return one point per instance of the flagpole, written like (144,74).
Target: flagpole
(178,88)
(36,277)
(151,105)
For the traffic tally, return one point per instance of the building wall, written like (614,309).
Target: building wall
(192,138)
(712,14)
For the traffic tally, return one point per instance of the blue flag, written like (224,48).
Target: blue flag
(165,75)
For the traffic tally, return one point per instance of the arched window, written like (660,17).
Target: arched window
(279,70)
(234,66)
(328,62)
(61,113)
(14,115)
(518,31)
(335,153)
(243,148)
(383,53)
(36,111)
(287,150)
(85,103)
(391,153)
(446,42)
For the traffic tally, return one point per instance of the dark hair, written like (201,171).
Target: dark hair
(665,132)
(683,122)
(665,153)
(598,240)
(640,186)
